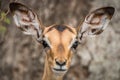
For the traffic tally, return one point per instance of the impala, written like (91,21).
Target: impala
(59,41)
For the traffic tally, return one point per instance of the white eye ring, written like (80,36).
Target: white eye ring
(72,42)
(47,41)
(45,44)
(75,44)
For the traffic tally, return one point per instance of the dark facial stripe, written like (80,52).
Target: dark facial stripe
(60,28)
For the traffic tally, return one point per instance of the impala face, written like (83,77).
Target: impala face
(60,41)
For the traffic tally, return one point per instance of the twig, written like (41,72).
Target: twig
(5,14)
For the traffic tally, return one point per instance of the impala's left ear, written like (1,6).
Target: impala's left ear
(95,22)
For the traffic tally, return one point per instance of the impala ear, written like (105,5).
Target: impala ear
(26,19)
(96,22)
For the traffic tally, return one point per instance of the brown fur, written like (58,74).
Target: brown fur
(59,37)
(60,42)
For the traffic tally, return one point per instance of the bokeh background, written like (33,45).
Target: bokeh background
(97,58)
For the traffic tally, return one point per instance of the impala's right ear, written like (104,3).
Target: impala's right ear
(26,19)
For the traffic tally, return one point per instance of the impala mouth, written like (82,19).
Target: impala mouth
(62,70)
(59,71)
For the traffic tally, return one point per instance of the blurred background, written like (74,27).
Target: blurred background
(97,58)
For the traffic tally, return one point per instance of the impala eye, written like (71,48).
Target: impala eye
(75,44)
(45,44)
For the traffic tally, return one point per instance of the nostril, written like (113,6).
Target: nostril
(60,63)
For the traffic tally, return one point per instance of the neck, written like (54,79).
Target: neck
(48,74)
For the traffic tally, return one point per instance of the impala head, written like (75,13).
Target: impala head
(60,41)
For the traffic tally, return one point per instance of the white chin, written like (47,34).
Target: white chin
(59,72)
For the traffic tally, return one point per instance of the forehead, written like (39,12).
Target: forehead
(60,33)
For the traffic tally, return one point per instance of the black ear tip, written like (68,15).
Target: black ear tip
(110,10)
(16,6)
(13,6)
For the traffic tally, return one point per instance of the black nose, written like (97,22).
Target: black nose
(60,63)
